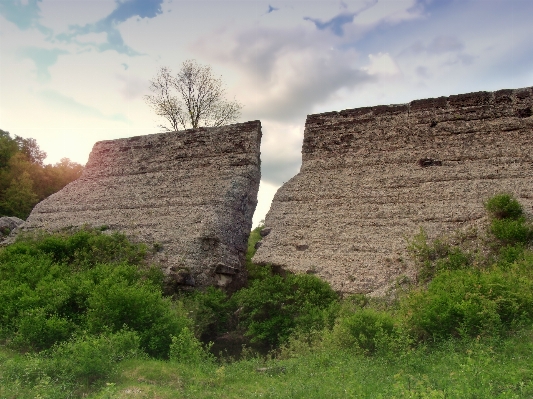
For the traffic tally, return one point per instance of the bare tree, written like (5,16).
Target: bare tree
(191,99)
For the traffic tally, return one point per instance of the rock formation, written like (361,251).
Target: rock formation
(8,224)
(190,195)
(371,177)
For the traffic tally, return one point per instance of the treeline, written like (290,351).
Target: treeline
(24,178)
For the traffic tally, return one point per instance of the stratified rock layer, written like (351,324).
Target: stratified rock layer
(190,195)
(371,177)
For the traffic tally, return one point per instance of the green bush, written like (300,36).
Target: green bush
(511,231)
(38,330)
(60,371)
(255,272)
(88,358)
(83,248)
(438,255)
(273,308)
(504,206)
(211,311)
(185,348)
(510,254)
(115,303)
(52,285)
(367,331)
(471,302)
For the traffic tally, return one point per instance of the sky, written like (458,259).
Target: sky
(74,72)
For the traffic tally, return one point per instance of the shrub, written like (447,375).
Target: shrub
(38,330)
(211,311)
(52,285)
(511,231)
(185,348)
(83,248)
(255,271)
(82,360)
(89,358)
(272,308)
(504,206)
(433,257)
(120,300)
(471,302)
(367,331)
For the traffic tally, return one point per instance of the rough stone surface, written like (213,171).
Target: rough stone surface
(371,177)
(8,224)
(190,195)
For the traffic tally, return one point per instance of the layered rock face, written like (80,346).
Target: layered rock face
(190,195)
(371,177)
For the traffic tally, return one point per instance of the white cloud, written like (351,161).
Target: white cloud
(382,64)
(284,74)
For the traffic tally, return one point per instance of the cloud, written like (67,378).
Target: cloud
(126,66)
(125,9)
(23,14)
(439,45)
(135,8)
(422,72)
(280,162)
(449,46)
(429,6)
(277,172)
(336,23)
(382,64)
(285,73)
(132,87)
(42,58)
(72,106)
(271,9)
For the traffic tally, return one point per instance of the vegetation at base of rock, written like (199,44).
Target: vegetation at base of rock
(54,286)
(99,326)
(273,308)
(504,206)
(24,179)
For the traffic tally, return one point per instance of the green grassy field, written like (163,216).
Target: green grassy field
(83,316)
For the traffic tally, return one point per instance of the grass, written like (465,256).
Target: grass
(82,315)
(471,368)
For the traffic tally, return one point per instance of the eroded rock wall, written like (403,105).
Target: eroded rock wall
(190,195)
(371,177)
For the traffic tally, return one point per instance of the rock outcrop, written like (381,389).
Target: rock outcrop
(371,177)
(8,224)
(190,195)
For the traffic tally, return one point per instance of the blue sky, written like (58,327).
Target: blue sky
(73,72)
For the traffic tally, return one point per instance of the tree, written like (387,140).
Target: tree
(19,198)
(191,99)
(24,179)
(31,150)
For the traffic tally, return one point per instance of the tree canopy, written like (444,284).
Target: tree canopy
(192,98)
(24,178)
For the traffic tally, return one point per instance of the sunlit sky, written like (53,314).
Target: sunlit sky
(73,72)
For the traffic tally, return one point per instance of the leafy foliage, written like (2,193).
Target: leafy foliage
(186,348)
(504,206)
(471,302)
(211,311)
(24,179)
(78,362)
(54,285)
(274,307)
(87,301)
(367,330)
